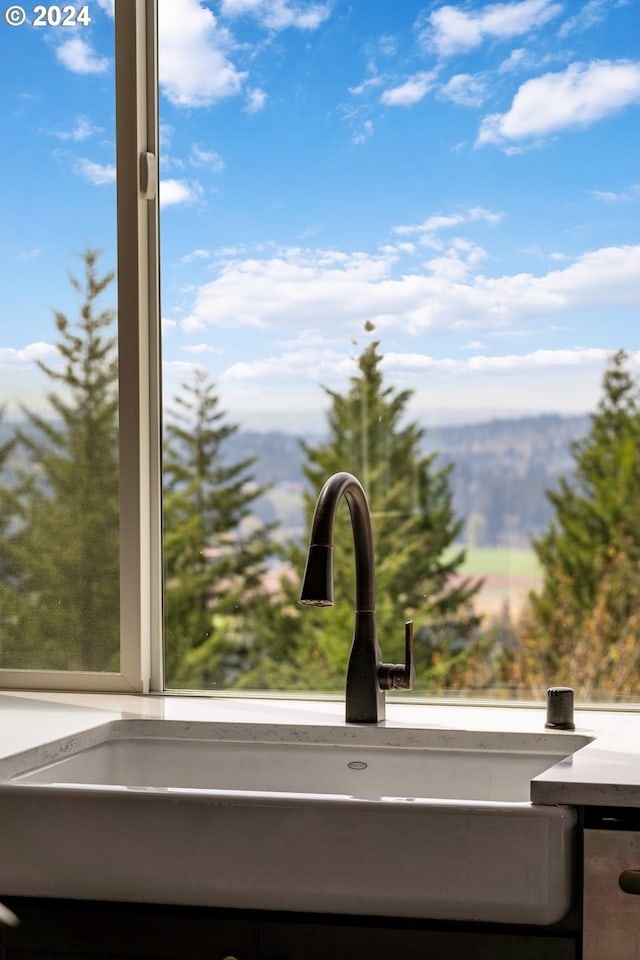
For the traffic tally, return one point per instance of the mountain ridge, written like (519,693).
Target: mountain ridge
(501,470)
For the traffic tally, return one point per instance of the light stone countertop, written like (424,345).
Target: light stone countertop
(605,772)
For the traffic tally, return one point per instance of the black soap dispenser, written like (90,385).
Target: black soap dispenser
(560,708)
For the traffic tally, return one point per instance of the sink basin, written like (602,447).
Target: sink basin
(417,823)
(366,773)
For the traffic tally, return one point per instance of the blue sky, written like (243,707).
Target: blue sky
(465,176)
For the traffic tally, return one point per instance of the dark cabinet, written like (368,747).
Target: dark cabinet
(69,930)
(330,939)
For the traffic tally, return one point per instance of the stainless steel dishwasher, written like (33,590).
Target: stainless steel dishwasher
(611,891)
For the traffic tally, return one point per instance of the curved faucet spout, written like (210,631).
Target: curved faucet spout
(317,589)
(367,676)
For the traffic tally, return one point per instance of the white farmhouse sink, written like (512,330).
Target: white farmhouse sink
(417,823)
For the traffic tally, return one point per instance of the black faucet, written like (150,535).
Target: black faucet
(367,676)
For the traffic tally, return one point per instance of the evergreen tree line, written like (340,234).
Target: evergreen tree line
(232,618)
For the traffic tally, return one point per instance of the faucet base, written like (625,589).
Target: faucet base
(365,701)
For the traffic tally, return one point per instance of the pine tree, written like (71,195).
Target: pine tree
(215,553)
(417,568)
(63,609)
(9,582)
(583,627)
(6,449)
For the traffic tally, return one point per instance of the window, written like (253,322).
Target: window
(378,239)
(77,541)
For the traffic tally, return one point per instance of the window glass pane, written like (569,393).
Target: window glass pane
(401,241)
(59,583)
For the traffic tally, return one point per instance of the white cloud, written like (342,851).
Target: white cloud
(180,368)
(540,358)
(195,69)
(573,357)
(366,85)
(337,292)
(239,8)
(206,158)
(601,276)
(171,162)
(168,326)
(201,348)
(199,254)
(481,386)
(446,221)
(457,262)
(517,59)
(624,196)
(27,356)
(233,250)
(166,132)
(174,192)
(279,14)
(82,130)
(77,55)
(589,15)
(306,339)
(567,381)
(323,363)
(513,362)
(314,363)
(465,89)
(97,173)
(256,100)
(576,97)
(387,45)
(452,30)
(411,91)
(363,133)
(309,283)
(31,254)
(522,59)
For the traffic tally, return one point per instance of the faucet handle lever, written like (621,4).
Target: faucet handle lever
(400,676)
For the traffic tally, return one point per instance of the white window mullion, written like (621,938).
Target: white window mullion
(139,342)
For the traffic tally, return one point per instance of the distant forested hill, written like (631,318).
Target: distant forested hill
(501,471)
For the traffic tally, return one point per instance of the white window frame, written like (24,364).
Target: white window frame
(136,82)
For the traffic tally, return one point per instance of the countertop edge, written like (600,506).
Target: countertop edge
(606,771)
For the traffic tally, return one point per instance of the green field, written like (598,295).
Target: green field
(501,561)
